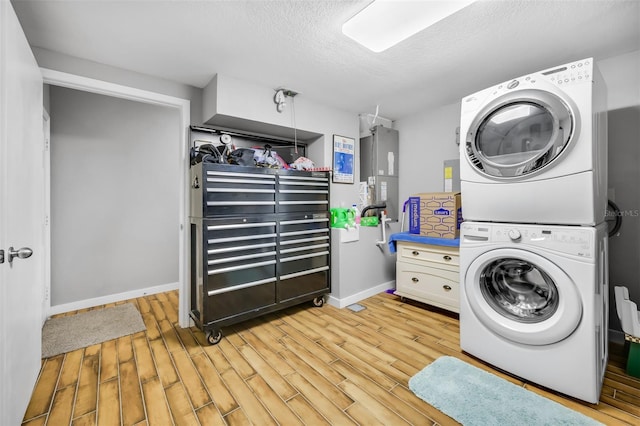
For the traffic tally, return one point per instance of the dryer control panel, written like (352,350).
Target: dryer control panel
(573,73)
(570,240)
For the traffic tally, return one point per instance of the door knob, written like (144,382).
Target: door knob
(21,253)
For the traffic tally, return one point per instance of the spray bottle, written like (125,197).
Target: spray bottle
(356,214)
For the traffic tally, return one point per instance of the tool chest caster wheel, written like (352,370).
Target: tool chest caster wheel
(318,301)
(214,337)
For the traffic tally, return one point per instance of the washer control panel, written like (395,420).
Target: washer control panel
(514,234)
(564,239)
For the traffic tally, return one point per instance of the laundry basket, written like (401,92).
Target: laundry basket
(628,314)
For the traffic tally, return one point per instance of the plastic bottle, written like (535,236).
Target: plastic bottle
(356,213)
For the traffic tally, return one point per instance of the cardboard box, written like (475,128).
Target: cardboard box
(435,214)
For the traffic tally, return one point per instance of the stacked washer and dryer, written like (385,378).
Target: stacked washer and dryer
(533,246)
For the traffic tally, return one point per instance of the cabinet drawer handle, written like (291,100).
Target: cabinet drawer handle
(414,279)
(446,258)
(415,253)
(446,287)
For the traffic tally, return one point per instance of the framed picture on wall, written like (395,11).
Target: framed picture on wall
(343,161)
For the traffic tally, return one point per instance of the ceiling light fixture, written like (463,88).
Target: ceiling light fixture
(385,23)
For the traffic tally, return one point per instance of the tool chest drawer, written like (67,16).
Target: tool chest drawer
(226,190)
(239,253)
(304,252)
(303,192)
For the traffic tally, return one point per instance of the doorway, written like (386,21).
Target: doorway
(126,94)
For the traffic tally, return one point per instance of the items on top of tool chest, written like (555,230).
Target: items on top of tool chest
(212,145)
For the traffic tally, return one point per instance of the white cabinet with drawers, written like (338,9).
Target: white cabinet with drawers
(429,274)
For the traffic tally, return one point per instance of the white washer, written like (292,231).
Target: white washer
(534,302)
(534,149)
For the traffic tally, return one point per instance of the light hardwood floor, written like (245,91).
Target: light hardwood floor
(303,365)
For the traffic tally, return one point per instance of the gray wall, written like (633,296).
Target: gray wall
(361,268)
(427,138)
(624,176)
(114,195)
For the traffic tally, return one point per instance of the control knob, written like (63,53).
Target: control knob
(514,234)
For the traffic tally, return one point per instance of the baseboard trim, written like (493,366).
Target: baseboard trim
(112,298)
(355,298)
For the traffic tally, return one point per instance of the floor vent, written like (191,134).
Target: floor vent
(356,307)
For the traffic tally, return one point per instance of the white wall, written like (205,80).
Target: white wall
(622,76)
(114,192)
(82,67)
(427,138)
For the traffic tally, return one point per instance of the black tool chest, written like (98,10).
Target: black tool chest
(260,242)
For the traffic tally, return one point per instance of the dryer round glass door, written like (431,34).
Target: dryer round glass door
(522,296)
(520,133)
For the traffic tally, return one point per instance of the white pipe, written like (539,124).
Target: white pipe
(383,222)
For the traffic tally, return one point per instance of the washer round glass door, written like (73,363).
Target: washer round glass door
(520,133)
(522,296)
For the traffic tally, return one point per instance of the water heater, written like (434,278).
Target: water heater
(379,167)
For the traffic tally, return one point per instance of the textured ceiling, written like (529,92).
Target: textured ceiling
(299,45)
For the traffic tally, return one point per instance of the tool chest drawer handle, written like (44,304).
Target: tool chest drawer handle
(301,273)
(303,248)
(240,190)
(415,253)
(240,258)
(303,240)
(239,248)
(446,258)
(291,203)
(240,267)
(295,178)
(303,191)
(446,287)
(305,256)
(240,226)
(296,222)
(240,203)
(240,286)
(415,280)
(243,238)
(310,231)
(249,175)
(241,181)
(312,184)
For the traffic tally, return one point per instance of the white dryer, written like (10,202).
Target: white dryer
(534,303)
(534,149)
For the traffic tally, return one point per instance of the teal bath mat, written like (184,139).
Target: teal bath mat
(475,397)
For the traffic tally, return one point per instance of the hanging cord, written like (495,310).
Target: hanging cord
(375,117)
(295,130)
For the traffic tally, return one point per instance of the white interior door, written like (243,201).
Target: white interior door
(21,219)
